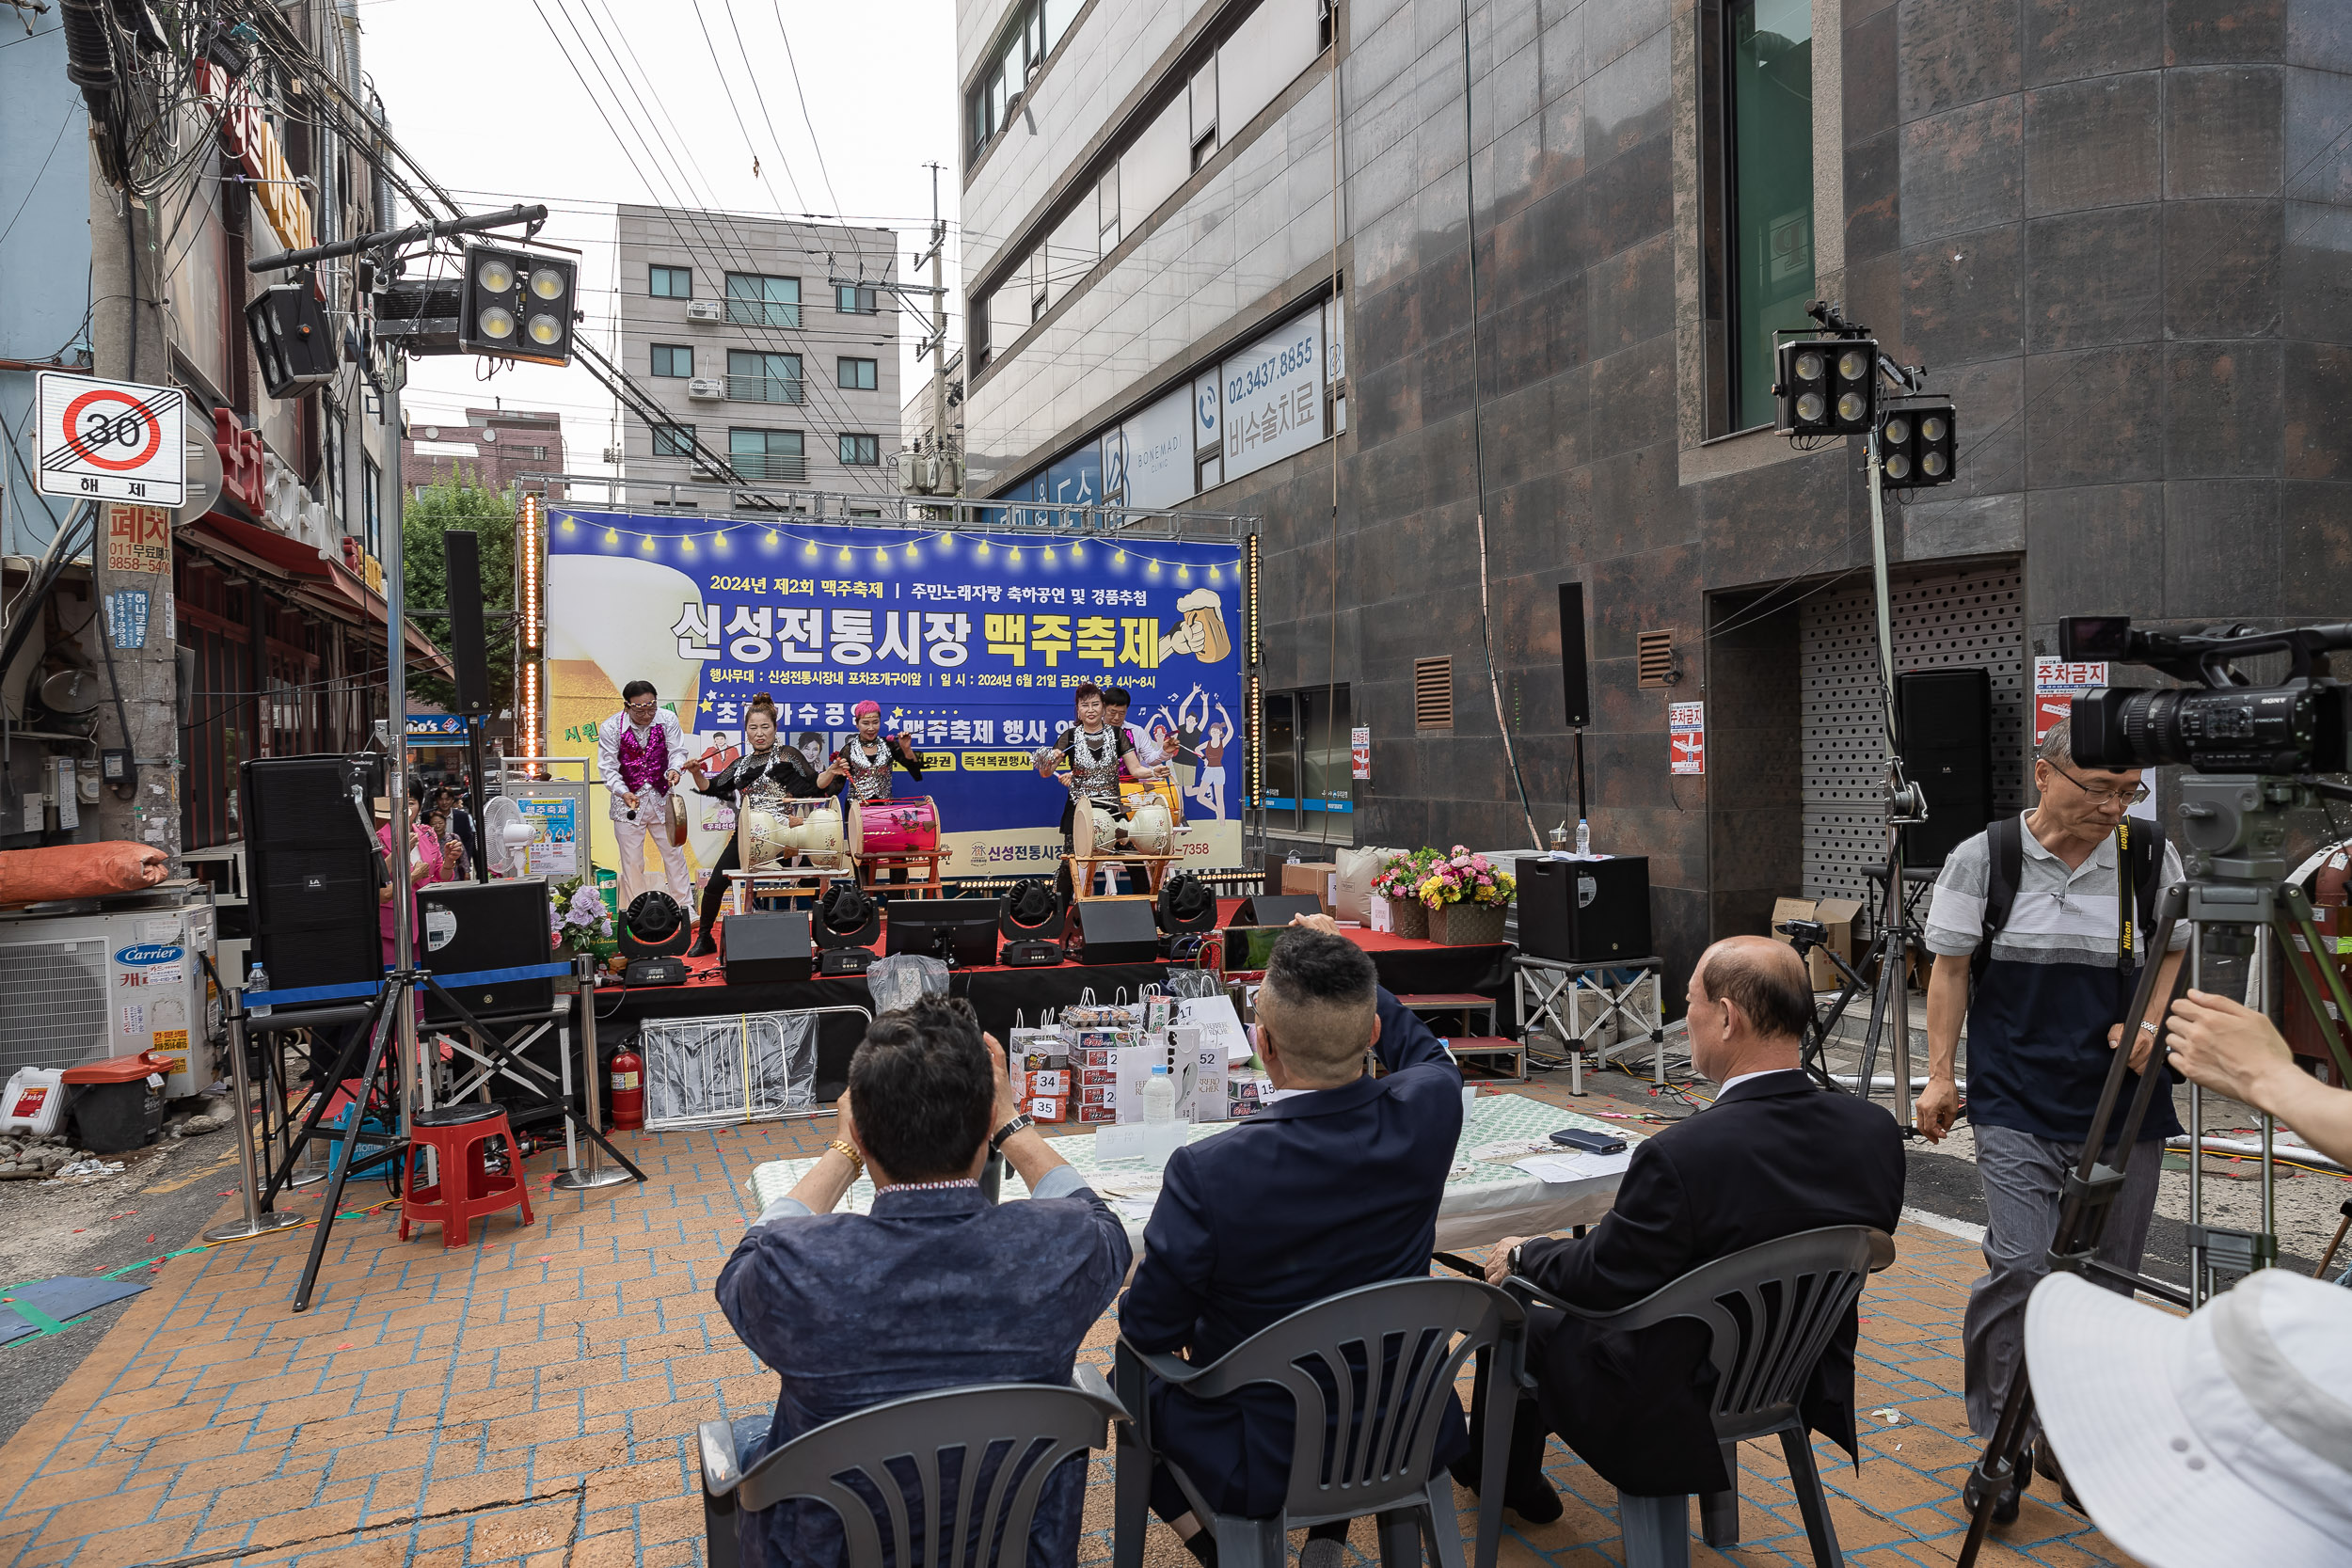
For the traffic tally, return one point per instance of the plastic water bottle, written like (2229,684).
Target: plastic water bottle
(1159,1098)
(1583,839)
(256,979)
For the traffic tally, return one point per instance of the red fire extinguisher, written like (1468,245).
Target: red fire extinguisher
(628,1091)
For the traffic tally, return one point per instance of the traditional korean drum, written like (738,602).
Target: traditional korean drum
(906,825)
(1164,789)
(768,836)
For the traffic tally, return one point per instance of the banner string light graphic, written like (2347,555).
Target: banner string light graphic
(918,549)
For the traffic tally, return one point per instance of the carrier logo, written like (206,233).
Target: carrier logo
(148,954)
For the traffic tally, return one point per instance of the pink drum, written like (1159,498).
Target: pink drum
(906,826)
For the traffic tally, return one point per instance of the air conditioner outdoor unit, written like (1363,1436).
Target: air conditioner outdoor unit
(706,388)
(705,311)
(85,988)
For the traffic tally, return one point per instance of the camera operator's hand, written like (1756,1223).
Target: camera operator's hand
(1936,1108)
(2226,1046)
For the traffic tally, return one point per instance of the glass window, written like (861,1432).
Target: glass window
(851,300)
(1327,790)
(858,375)
(775,456)
(755,377)
(672,284)
(673,440)
(1281,763)
(861,451)
(372,503)
(337,485)
(754,300)
(673,359)
(1771,82)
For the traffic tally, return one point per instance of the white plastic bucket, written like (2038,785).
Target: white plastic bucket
(34,1101)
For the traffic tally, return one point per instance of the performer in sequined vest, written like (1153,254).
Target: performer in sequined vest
(639,752)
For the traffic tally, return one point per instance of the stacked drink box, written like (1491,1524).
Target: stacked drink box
(1090,1068)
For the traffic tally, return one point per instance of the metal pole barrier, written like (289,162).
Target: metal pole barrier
(592,1174)
(255,1222)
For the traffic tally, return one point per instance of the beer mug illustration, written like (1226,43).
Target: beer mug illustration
(1204,632)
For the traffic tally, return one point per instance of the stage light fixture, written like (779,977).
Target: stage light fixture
(291,338)
(1916,443)
(516,306)
(1826,386)
(1031,919)
(1185,904)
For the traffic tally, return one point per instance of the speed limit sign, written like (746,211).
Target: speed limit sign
(111,440)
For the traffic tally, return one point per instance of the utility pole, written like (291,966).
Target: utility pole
(939,338)
(141,663)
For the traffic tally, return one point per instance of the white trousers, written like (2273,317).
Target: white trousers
(653,813)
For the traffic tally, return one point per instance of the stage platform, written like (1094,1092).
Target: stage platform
(997,994)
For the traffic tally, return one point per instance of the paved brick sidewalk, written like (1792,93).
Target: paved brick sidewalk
(527,1401)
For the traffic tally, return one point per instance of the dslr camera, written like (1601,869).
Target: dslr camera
(2220,723)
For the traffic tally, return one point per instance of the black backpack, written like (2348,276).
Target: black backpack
(2141,863)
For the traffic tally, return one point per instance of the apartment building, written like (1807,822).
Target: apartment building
(765,341)
(493,448)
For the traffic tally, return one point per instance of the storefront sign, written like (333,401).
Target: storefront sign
(2056,682)
(1273,396)
(250,139)
(1159,443)
(138,538)
(1360,752)
(450,727)
(1686,730)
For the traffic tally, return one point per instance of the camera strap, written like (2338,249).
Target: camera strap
(2127,930)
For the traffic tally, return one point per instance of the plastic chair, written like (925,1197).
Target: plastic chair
(1771,1309)
(895,1451)
(465,1189)
(1364,1433)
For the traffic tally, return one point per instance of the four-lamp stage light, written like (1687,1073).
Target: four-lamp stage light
(517,305)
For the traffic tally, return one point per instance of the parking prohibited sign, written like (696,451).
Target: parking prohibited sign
(111,440)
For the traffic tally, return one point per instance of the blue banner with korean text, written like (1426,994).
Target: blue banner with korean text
(973,645)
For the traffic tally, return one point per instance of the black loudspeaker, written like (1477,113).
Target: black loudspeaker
(1118,932)
(464,926)
(1945,720)
(760,949)
(1574,682)
(962,932)
(310,870)
(1585,912)
(462,575)
(1275,909)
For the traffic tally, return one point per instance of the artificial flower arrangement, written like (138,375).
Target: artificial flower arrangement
(1400,876)
(577,914)
(1462,878)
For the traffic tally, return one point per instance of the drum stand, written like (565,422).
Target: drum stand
(873,873)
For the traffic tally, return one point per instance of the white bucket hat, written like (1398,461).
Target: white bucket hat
(2225,1436)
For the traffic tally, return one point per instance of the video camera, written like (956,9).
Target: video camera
(2221,725)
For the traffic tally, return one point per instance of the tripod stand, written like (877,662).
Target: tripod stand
(1890,949)
(2233,829)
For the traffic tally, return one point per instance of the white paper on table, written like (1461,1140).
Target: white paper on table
(1574,1167)
(1134,1208)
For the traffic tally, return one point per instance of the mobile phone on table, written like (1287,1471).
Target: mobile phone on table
(1589,1142)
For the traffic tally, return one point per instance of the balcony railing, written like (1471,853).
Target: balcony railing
(763,312)
(767,389)
(774,468)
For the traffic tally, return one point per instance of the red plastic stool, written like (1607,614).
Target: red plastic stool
(467,1188)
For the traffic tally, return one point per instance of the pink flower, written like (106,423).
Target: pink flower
(1480,861)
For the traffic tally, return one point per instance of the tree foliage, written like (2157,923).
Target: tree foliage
(460,504)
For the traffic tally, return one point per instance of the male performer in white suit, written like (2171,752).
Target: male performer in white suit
(639,752)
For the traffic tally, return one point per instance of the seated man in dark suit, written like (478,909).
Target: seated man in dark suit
(1773,1155)
(936,1288)
(1332,1186)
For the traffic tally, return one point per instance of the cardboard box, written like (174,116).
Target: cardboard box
(1099,1094)
(1050,1082)
(1048,1108)
(1838,914)
(1313,877)
(1094,1056)
(1096,1114)
(1091,1077)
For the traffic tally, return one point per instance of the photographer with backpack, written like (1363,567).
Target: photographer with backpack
(2039,927)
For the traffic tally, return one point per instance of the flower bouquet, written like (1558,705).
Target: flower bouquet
(1465,895)
(1398,881)
(577,917)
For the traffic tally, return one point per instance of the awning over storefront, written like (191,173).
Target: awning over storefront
(325,584)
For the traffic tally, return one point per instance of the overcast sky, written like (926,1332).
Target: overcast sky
(479,92)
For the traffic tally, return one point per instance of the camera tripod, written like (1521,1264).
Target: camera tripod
(1888,989)
(2232,834)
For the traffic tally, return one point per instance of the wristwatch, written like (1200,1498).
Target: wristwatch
(1513,1258)
(996,1139)
(2147,1026)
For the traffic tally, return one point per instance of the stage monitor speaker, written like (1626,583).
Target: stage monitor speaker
(1585,912)
(464,926)
(764,949)
(461,569)
(1275,909)
(1945,720)
(1118,932)
(960,931)
(310,870)
(1575,683)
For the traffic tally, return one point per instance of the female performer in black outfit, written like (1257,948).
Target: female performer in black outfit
(764,769)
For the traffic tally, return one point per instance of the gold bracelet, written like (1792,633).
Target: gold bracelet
(848,1150)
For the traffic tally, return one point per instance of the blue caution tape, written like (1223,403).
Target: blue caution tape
(294,995)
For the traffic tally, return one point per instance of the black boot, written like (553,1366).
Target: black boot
(703,947)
